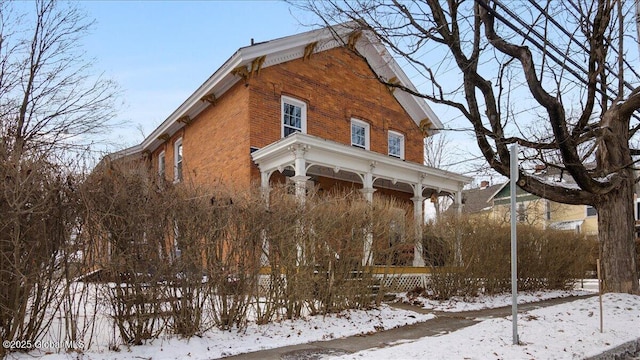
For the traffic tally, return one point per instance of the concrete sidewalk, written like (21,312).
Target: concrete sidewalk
(445,322)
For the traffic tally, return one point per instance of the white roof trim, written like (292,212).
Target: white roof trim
(279,155)
(286,49)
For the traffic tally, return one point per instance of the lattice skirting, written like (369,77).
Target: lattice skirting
(389,283)
(403,282)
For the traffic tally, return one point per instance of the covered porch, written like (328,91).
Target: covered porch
(306,157)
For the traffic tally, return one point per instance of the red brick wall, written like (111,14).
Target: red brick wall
(215,143)
(220,139)
(336,86)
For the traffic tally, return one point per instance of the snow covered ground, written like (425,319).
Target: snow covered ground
(216,344)
(458,304)
(568,331)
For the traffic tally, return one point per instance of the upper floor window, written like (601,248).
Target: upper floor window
(522,212)
(161,165)
(360,134)
(396,144)
(177,161)
(591,211)
(294,116)
(547,210)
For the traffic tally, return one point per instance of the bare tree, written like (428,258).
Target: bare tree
(49,98)
(438,154)
(50,105)
(563,62)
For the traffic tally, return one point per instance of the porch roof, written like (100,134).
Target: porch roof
(341,157)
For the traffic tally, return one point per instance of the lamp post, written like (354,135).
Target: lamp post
(514,241)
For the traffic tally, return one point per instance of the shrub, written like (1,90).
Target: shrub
(473,255)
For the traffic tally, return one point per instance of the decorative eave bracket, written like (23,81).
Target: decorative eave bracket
(210,98)
(353,40)
(164,137)
(185,119)
(246,72)
(425,126)
(391,82)
(309,49)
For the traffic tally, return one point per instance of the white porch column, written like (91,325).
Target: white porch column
(300,178)
(367,187)
(458,202)
(458,207)
(264,186)
(368,190)
(265,190)
(418,216)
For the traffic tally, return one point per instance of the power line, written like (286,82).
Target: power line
(533,41)
(614,49)
(541,48)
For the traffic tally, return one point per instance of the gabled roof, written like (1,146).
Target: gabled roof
(476,200)
(285,49)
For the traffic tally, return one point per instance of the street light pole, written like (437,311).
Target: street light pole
(514,241)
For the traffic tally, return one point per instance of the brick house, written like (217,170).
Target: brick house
(306,109)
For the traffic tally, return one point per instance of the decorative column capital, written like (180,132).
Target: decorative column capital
(299,150)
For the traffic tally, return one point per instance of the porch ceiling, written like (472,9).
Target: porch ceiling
(340,157)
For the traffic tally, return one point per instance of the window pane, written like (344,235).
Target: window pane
(161,165)
(395,145)
(292,118)
(289,130)
(178,162)
(358,137)
(522,213)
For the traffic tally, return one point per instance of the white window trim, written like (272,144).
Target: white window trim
(303,113)
(547,210)
(177,144)
(402,142)
(162,170)
(367,136)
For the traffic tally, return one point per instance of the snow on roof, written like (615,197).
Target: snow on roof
(566,225)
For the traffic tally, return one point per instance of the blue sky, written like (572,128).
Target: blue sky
(160,52)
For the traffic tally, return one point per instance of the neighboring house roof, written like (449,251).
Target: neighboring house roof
(567,225)
(503,195)
(479,199)
(269,53)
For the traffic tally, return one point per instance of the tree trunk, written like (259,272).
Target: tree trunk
(617,239)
